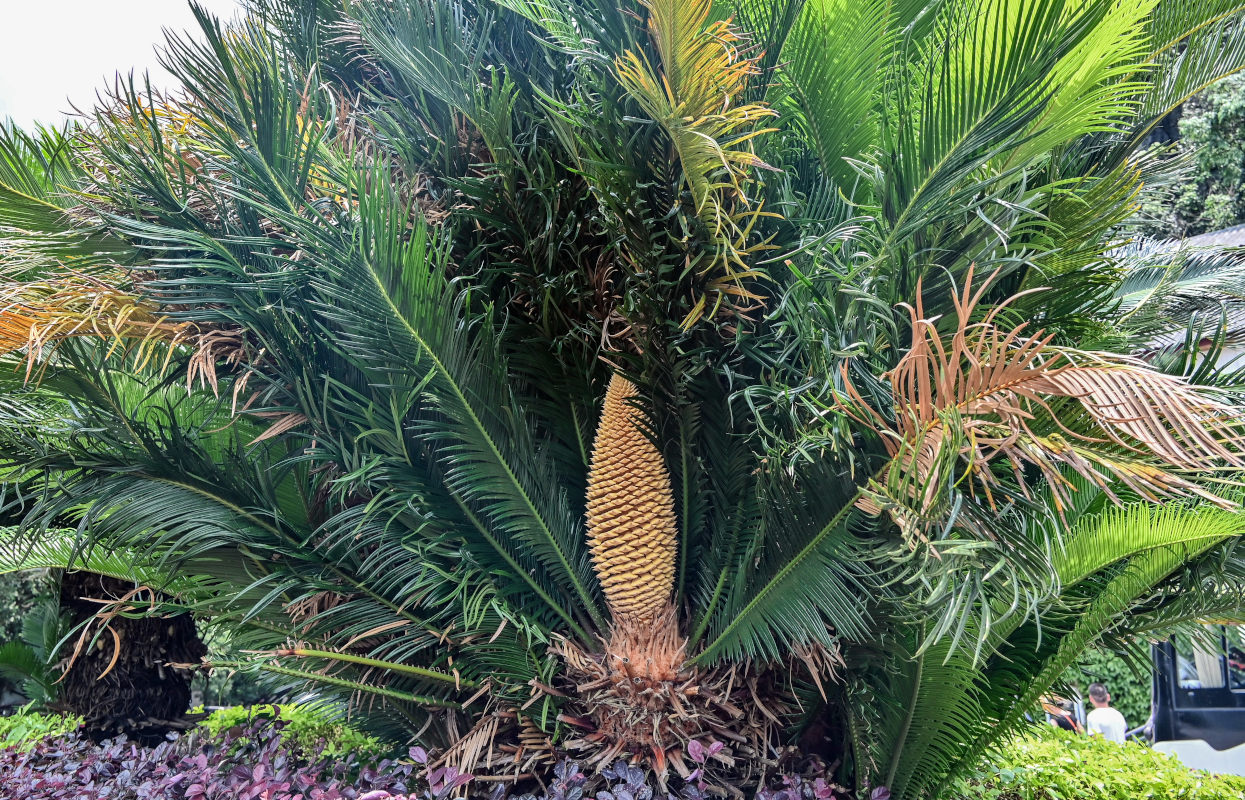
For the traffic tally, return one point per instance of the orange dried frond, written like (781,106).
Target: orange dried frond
(982,388)
(36,316)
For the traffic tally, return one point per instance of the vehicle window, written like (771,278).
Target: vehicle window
(1236,657)
(1198,666)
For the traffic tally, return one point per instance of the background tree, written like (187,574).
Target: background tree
(1212,142)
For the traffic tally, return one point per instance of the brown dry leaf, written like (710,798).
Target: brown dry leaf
(37,315)
(970,398)
(285,422)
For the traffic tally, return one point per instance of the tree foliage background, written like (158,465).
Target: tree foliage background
(1212,140)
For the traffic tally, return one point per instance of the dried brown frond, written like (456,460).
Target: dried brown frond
(985,393)
(502,746)
(473,749)
(284,422)
(37,315)
(632,531)
(304,610)
(820,662)
(215,347)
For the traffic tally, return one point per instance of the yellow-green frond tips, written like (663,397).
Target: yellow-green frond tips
(631,524)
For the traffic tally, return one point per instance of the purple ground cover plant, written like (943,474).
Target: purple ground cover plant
(248,763)
(252,762)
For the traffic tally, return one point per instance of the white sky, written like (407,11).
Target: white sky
(54,52)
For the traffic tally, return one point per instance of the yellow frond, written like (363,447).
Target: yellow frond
(695,96)
(702,75)
(36,316)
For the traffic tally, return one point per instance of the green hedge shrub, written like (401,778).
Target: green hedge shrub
(26,726)
(306,727)
(1050,764)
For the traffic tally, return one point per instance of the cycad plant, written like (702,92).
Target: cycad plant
(602,377)
(26,663)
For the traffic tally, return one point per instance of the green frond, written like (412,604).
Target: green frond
(1192,45)
(63,549)
(836,59)
(434,50)
(1128,551)
(1172,23)
(1167,286)
(21,666)
(1126,533)
(1090,90)
(394,308)
(809,591)
(39,173)
(976,89)
(554,18)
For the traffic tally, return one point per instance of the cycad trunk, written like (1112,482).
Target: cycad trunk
(140,695)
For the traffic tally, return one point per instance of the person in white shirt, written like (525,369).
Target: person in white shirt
(1104,720)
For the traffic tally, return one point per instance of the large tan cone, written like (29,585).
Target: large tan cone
(631,525)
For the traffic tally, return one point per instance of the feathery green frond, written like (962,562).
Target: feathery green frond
(837,57)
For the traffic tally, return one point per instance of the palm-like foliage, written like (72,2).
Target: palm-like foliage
(38,174)
(401,249)
(1171,288)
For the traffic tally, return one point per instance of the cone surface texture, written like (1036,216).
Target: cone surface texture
(631,524)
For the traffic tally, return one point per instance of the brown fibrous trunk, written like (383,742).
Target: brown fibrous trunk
(121,679)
